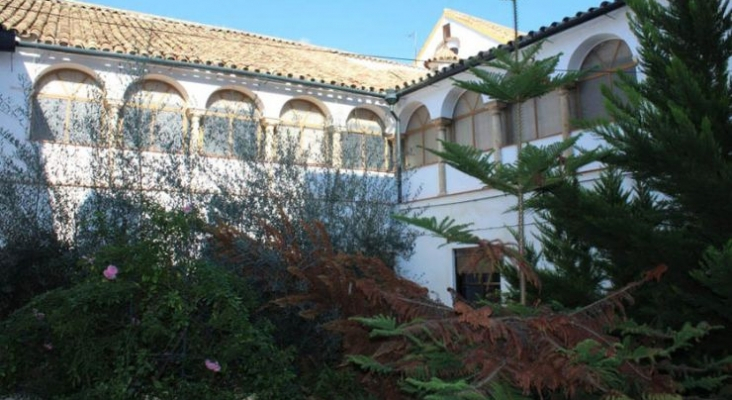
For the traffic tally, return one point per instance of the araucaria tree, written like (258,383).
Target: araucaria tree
(512,79)
(663,201)
(667,195)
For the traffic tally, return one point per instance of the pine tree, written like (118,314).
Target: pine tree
(667,195)
(513,78)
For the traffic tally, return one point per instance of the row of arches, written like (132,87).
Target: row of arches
(487,125)
(69,107)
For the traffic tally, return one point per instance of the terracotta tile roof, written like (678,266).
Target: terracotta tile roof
(88,26)
(499,33)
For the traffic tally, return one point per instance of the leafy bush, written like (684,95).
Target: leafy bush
(29,267)
(339,385)
(150,319)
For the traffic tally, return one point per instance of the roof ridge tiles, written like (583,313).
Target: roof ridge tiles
(222,28)
(501,31)
(113,30)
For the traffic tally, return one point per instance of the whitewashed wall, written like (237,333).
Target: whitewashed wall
(196,85)
(466,200)
(471,42)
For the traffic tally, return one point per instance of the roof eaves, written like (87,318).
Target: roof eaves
(369,85)
(530,38)
(244,71)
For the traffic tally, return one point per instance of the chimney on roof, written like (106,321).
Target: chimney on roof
(449,41)
(446,52)
(7,41)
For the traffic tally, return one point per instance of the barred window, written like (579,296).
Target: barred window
(68,107)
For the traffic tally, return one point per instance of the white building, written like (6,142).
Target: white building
(190,74)
(457,35)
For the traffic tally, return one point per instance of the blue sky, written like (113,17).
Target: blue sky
(372,27)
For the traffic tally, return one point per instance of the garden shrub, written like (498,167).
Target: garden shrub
(151,320)
(31,266)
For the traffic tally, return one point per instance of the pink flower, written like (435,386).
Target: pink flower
(187,208)
(48,346)
(212,365)
(110,272)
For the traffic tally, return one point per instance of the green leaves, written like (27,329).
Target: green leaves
(438,389)
(715,273)
(447,228)
(538,168)
(521,79)
(471,161)
(369,364)
(381,326)
(148,332)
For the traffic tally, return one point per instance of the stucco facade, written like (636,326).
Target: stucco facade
(445,192)
(428,106)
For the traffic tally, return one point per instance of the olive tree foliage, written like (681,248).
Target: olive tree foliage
(25,191)
(89,167)
(32,259)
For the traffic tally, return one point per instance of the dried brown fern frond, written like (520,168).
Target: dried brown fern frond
(543,351)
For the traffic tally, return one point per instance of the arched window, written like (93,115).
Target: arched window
(471,122)
(363,144)
(603,62)
(230,126)
(303,123)
(420,135)
(153,117)
(540,117)
(68,108)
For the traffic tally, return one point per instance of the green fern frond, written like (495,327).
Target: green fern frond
(708,383)
(616,396)
(380,326)
(377,322)
(438,389)
(501,391)
(662,396)
(369,364)
(683,337)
